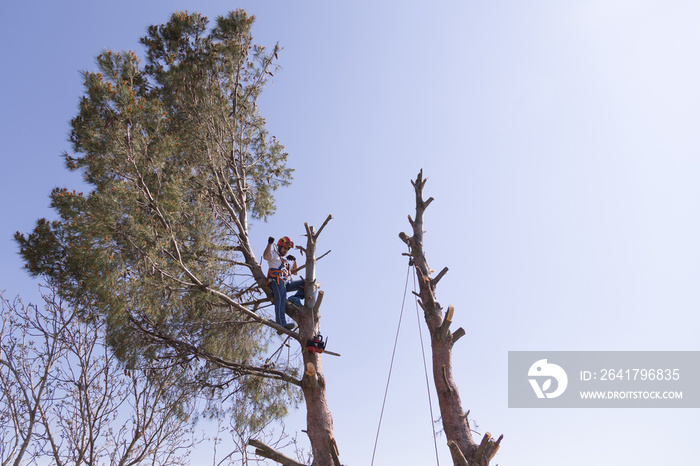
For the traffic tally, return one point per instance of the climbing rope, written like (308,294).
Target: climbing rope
(391,366)
(427,381)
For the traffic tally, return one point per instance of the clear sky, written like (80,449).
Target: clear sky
(561,143)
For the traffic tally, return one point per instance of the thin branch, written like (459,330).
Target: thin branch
(201,353)
(439,276)
(328,219)
(317,259)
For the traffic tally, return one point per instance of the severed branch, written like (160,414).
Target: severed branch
(487,449)
(447,321)
(492,448)
(270,453)
(457,453)
(317,304)
(482,447)
(459,333)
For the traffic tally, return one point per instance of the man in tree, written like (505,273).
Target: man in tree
(177,159)
(279,277)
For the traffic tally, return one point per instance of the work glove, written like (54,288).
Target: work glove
(270,240)
(291,258)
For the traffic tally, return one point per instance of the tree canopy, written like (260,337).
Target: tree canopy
(177,157)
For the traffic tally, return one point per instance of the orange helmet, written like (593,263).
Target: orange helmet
(285,242)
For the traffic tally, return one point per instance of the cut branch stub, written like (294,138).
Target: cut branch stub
(447,321)
(492,448)
(457,453)
(482,447)
(459,333)
(439,277)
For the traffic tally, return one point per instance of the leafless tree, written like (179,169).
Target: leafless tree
(63,395)
(464,449)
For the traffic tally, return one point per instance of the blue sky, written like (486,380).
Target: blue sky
(561,144)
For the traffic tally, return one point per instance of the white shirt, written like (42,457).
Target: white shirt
(275,261)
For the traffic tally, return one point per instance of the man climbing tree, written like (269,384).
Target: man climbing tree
(465,451)
(177,158)
(279,277)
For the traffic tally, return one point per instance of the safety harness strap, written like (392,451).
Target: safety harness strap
(279,274)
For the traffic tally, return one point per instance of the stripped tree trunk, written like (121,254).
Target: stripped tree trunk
(465,451)
(313,384)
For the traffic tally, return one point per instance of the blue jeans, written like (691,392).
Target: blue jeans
(279,291)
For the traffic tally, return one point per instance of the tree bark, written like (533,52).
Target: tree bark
(318,416)
(313,384)
(454,420)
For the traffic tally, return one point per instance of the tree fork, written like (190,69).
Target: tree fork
(465,451)
(313,384)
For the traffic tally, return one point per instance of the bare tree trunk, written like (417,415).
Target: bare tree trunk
(313,384)
(465,451)
(318,416)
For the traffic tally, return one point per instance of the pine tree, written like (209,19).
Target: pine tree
(177,158)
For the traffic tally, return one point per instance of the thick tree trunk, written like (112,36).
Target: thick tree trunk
(319,423)
(455,423)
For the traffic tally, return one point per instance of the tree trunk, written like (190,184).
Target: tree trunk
(465,451)
(318,417)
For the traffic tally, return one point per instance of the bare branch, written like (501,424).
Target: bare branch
(270,453)
(325,222)
(317,259)
(201,353)
(439,276)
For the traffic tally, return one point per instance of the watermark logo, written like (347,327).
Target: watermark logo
(544,371)
(603,379)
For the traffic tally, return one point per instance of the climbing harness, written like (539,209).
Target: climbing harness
(278,275)
(281,273)
(391,366)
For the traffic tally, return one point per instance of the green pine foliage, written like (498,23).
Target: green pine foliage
(177,158)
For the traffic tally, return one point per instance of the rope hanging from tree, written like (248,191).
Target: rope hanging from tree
(391,366)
